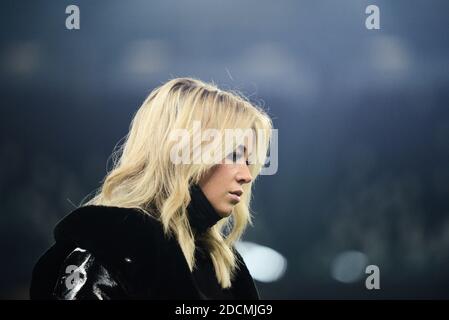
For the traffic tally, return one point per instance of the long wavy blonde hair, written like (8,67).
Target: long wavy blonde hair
(144,177)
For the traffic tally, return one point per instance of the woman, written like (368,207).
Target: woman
(161,228)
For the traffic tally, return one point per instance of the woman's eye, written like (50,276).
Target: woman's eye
(234,156)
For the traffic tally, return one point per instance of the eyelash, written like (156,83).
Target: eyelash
(234,157)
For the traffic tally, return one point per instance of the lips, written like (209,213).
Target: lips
(235,195)
(237,192)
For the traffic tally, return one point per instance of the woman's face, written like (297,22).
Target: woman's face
(222,186)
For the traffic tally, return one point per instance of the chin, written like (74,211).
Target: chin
(225,214)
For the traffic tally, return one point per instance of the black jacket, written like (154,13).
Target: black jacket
(105,252)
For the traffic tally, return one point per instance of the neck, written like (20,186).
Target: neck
(201,213)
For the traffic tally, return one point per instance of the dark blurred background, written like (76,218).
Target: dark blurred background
(363,120)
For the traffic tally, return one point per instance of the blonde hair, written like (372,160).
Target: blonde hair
(143,177)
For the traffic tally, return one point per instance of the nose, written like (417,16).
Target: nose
(244,175)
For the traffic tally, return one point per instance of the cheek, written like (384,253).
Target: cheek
(224,205)
(221,196)
(224,173)
(218,184)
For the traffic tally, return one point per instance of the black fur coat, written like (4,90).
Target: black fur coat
(105,252)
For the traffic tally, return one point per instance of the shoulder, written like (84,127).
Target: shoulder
(112,232)
(106,223)
(97,218)
(128,243)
